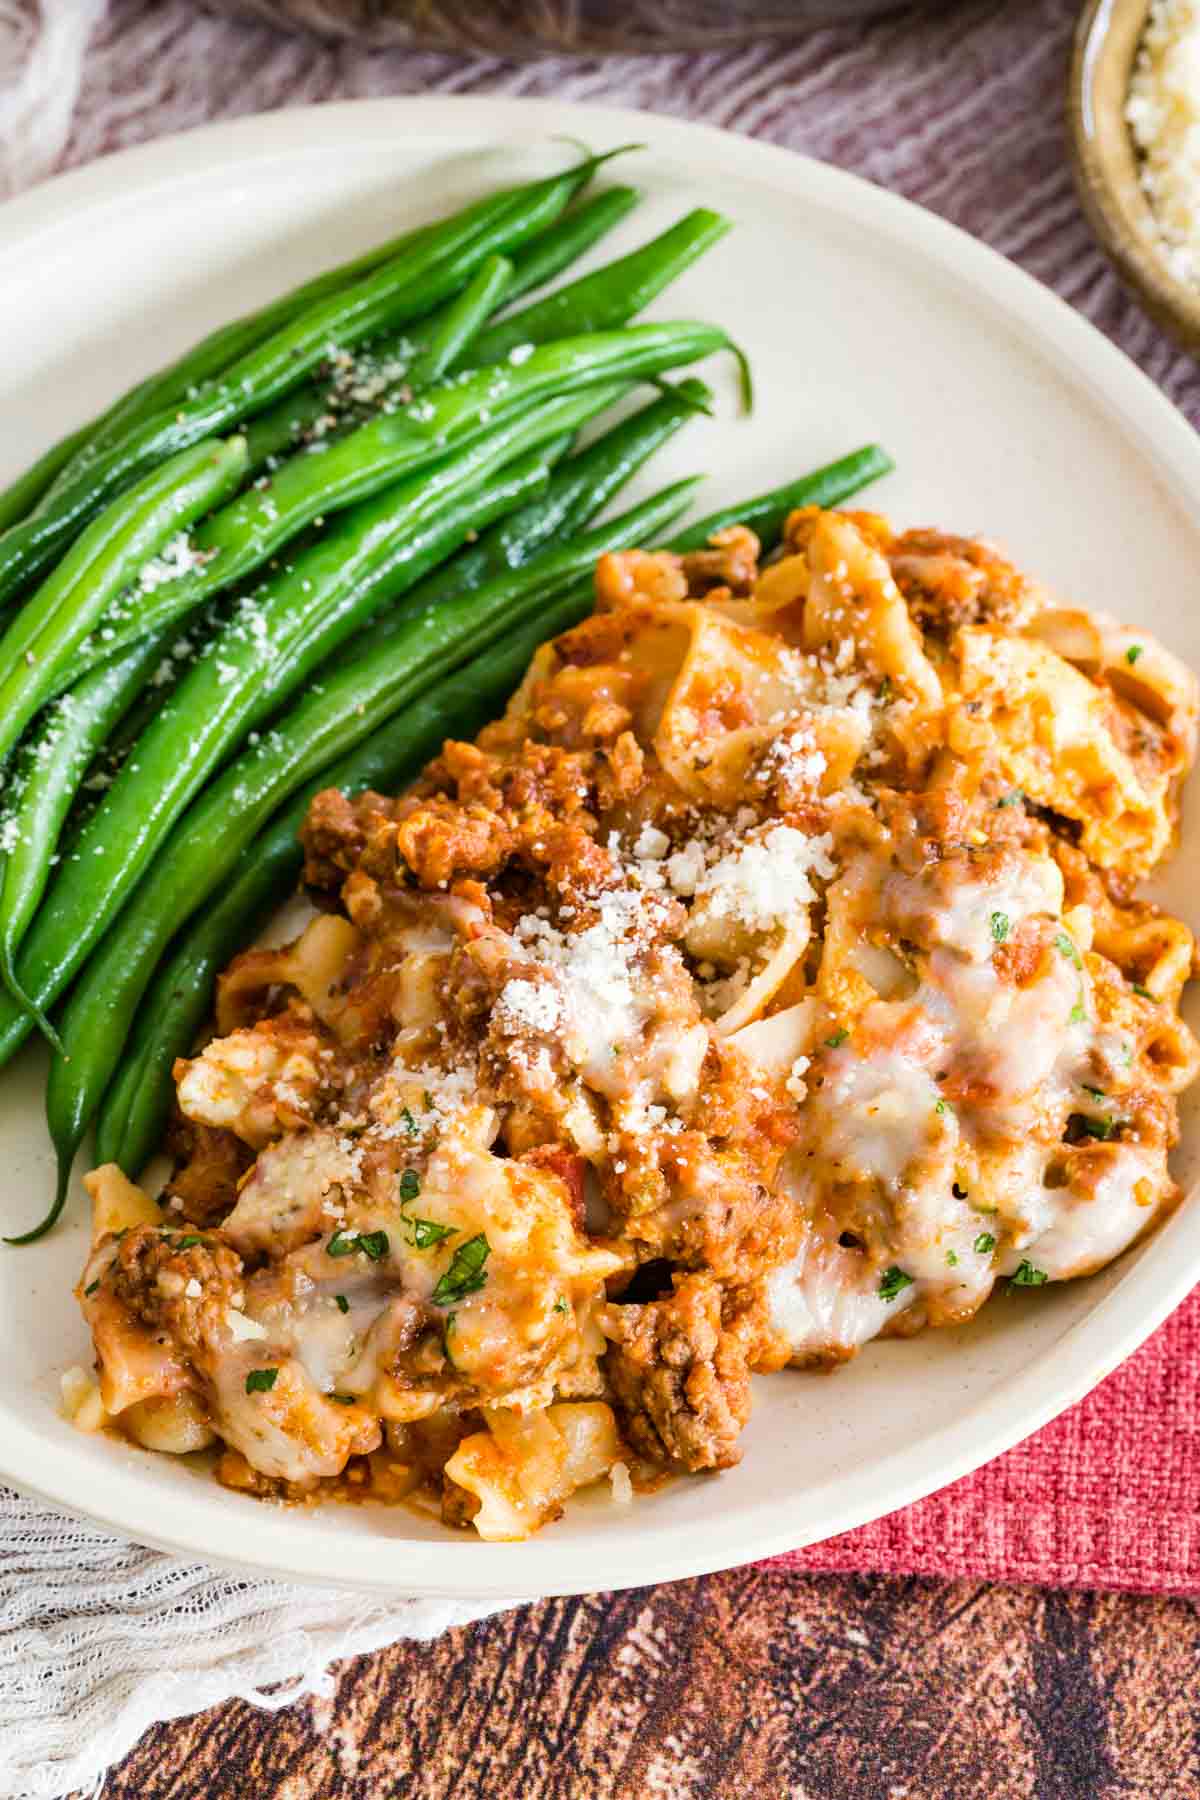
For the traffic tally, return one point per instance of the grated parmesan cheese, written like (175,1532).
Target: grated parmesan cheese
(1163,113)
(529,1005)
(765,881)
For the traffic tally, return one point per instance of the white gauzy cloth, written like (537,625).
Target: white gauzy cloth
(100,1638)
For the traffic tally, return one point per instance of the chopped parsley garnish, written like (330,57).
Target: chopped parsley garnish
(1096,1093)
(999,926)
(943,1106)
(985,1243)
(560,1305)
(1027,1276)
(410,1185)
(466,1274)
(1077,1014)
(892,1282)
(952,1258)
(427,1099)
(1013,799)
(261,1381)
(1143,991)
(410,1124)
(423,1234)
(343,1305)
(1132,654)
(1081,1127)
(839,1037)
(187,1243)
(1065,947)
(92,1286)
(372,1243)
(885,688)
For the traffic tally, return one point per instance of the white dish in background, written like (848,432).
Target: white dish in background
(866,319)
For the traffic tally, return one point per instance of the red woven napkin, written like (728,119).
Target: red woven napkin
(1107,1496)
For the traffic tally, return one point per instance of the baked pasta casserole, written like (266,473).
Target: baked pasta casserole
(769,979)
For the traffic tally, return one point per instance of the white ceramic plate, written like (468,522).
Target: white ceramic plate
(865,319)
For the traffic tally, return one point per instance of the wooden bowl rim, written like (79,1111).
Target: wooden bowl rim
(1109,191)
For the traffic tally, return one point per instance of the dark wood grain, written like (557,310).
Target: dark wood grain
(754,1685)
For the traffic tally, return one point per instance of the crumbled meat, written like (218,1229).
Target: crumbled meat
(680,1379)
(209,1164)
(174,1282)
(731,562)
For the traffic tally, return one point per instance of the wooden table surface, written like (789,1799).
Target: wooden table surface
(753,1685)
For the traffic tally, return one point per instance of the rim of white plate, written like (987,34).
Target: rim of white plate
(1089,1350)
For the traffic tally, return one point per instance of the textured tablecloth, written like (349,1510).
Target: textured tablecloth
(959,109)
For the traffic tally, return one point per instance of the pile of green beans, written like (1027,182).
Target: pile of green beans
(414,519)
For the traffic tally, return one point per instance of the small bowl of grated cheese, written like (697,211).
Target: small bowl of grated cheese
(1133,107)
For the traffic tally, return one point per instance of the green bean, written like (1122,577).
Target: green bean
(608,296)
(562,243)
(265,649)
(767,514)
(228,343)
(51,764)
(459,321)
(330,720)
(201,363)
(243,534)
(579,489)
(281,427)
(38,649)
(171,1014)
(402,288)
(22,495)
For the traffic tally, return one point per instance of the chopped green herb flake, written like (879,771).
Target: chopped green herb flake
(427,1099)
(466,1274)
(423,1234)
(885,688)
(952,1258)
(343,1305)
(341,1244)
(560,1305)
(188,1243)
(839,1037)
(1065,947)
(985,1243)
(892,1282)
(410,1185)
(261,1381)
(92,1286)
(1027,1276)
(1077,1014)
(1013,799)
(1132,654)
(1095,1128)
(1143,991)
(943,1106)
(410,1124)
(999,926)
(1096,1093)
(374,1244)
